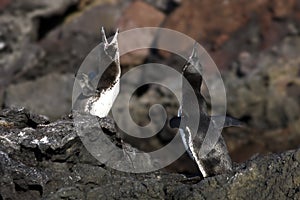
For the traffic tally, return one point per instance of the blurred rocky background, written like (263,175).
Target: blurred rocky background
(255,44)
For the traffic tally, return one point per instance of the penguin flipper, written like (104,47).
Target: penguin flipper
(229,121)
(87,87)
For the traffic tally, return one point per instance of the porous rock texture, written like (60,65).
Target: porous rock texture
(43,160)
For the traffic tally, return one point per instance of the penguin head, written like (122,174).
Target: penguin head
(193,69)
(193,76)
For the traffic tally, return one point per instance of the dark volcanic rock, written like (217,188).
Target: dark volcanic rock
(165,5)
(15,50)
(50,95)
(50,162)
(19,28)
(38,8)
(38,38)
(21,118)
(66,46)
(19,24)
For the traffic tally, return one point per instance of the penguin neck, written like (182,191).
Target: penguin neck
(191,87)
(109,78)
(195,80)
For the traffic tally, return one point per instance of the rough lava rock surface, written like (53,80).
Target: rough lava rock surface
(46,160)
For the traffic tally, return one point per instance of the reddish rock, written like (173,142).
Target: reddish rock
(4,3)
(271,31)
(138,14)
(283,9)
(214,24)
(209,20)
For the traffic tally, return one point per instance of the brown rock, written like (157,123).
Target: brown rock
(4,3)
(209,20)
(282,9)
(224,28)
(138,14)
(166,6)
(91,3)
(272,31)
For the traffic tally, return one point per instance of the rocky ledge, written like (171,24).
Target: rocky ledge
(43,160)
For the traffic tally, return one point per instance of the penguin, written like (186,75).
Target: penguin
(98,100)
(217,161)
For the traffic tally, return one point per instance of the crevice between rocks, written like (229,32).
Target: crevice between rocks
(48,23)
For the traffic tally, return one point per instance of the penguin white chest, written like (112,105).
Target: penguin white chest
(102,105)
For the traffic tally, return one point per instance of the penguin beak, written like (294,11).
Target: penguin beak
(111,48)
(193,65)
